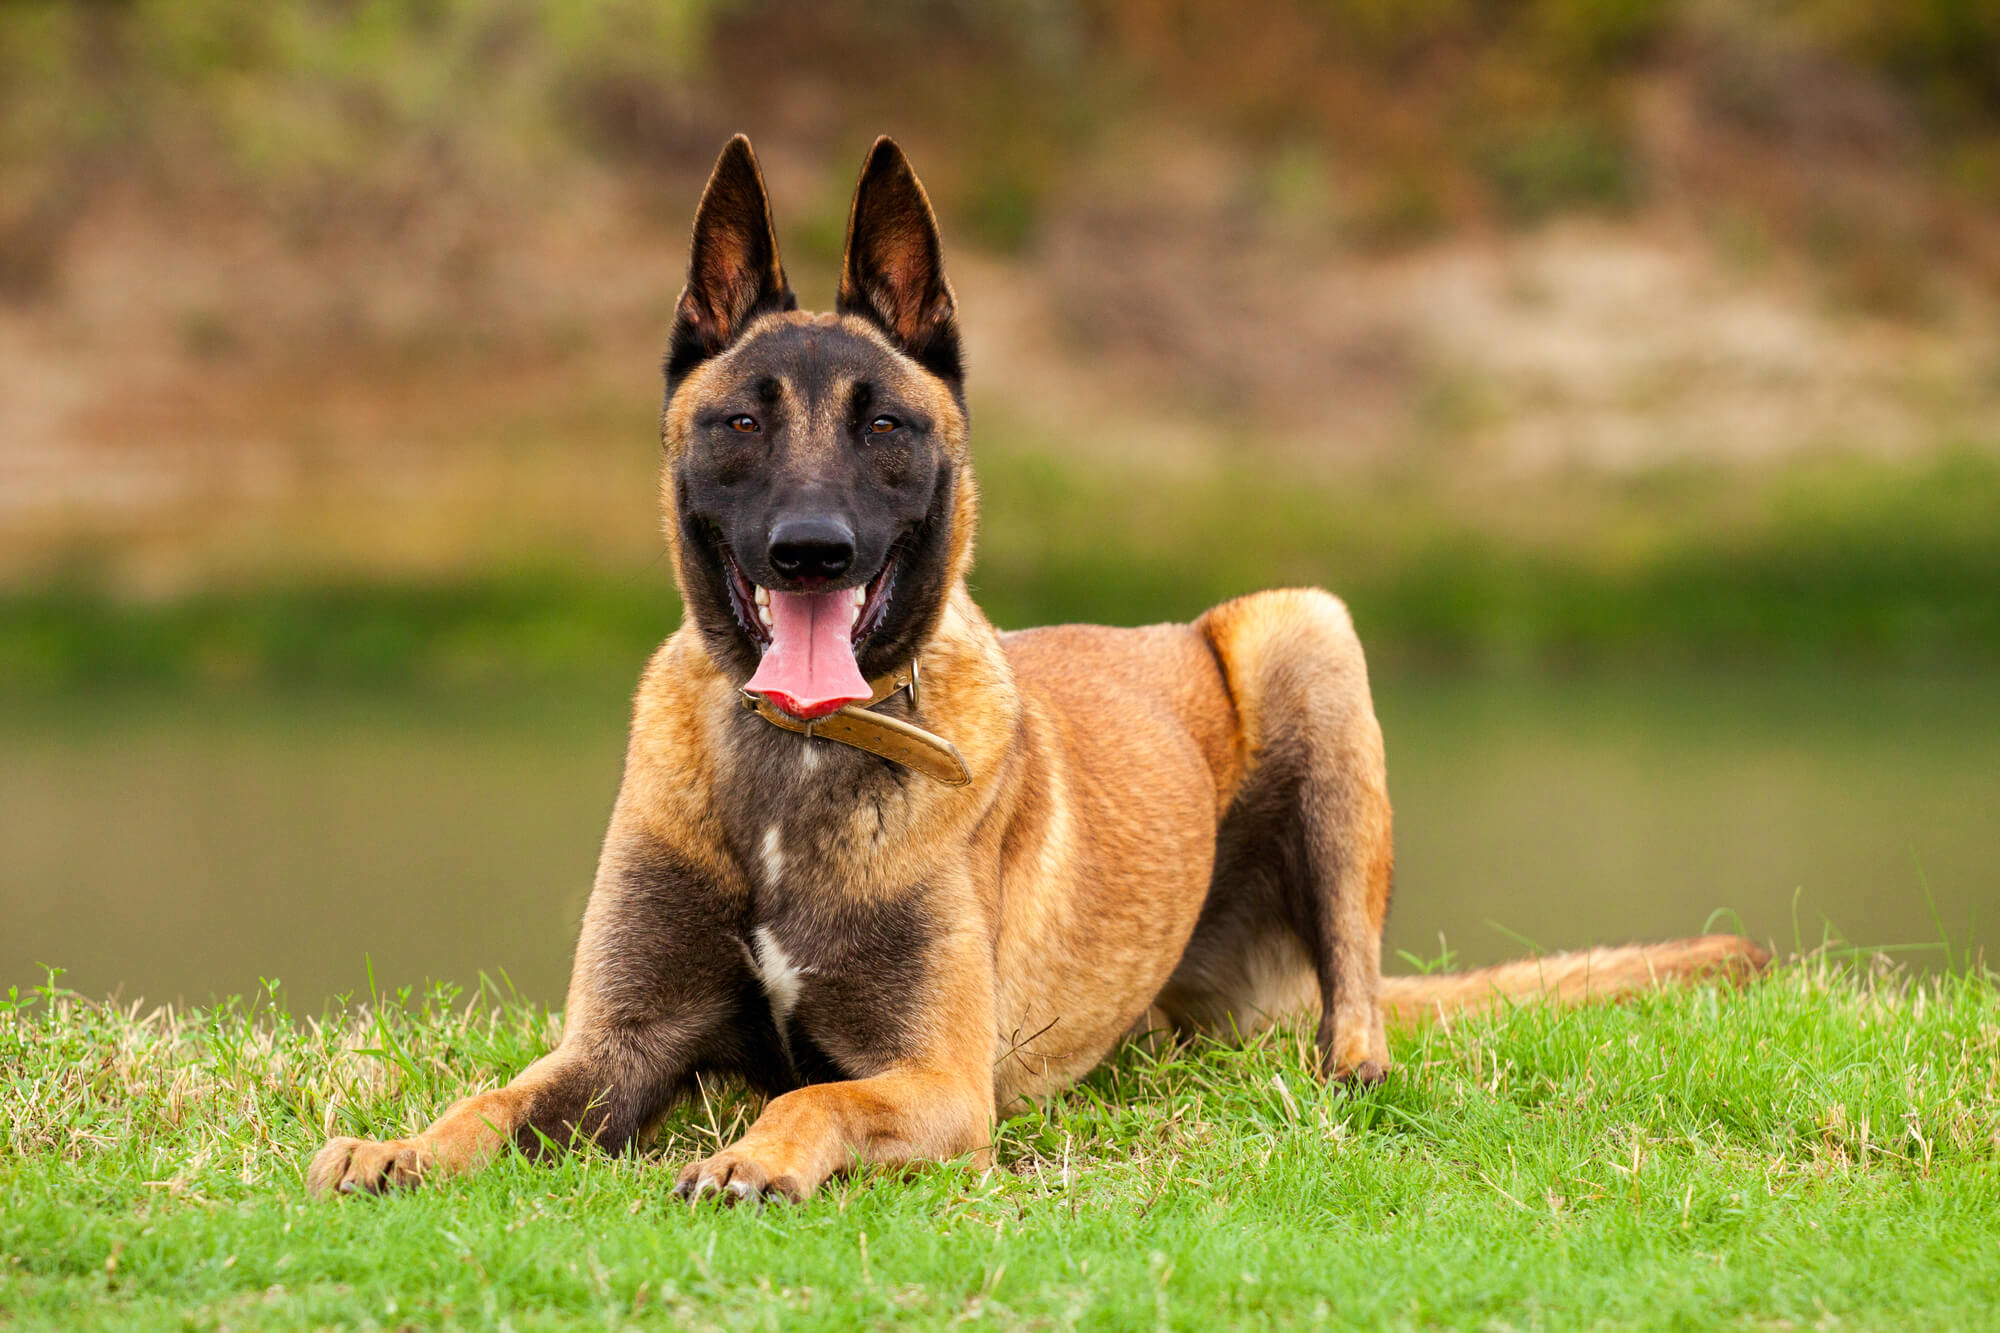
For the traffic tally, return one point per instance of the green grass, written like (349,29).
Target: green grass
(1822,1149)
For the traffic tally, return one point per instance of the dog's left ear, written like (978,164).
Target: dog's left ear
(734,273)
(893,271)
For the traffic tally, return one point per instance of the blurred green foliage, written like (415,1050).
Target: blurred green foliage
(289,91)
(1555,167)
(360,105)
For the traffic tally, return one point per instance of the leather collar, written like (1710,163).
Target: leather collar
(892,738)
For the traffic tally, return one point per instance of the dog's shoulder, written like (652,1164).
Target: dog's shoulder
(1115,689)
(671,767)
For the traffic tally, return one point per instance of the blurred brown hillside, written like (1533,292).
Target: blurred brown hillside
(383,285)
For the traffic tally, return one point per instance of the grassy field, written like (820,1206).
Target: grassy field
(1822,1149)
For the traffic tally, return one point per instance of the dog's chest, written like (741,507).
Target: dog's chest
(838,979)
(777,974)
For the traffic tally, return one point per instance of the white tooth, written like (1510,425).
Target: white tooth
(763,596)
(860,596)
(764,614)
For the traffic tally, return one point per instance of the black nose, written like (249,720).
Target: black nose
(812,548)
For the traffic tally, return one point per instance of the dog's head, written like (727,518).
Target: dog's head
(817,491)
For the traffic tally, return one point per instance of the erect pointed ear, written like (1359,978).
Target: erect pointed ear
(734,274)
(893,272)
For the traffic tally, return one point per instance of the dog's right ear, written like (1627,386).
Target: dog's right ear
(734,274)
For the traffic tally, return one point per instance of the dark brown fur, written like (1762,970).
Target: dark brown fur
(1182,825)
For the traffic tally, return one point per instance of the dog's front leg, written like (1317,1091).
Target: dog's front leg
(646,1000)
(931,1101)
(805,1136)
(602,1086)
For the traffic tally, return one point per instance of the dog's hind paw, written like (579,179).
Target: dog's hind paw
(360,1166)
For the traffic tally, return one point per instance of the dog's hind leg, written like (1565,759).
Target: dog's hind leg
(1304,853)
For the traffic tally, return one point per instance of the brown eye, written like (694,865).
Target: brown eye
(742,424)
(883,425)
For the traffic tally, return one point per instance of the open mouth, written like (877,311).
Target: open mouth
(807,640)
(752,602)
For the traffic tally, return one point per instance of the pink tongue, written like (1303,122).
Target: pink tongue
(809,668)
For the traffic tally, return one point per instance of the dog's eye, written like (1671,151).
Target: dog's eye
(742,424)
(883,425)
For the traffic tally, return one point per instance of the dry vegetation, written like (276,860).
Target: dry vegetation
(379,287)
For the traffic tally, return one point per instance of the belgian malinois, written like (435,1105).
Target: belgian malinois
(902,871)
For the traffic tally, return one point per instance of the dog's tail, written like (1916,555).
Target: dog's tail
(1573,978)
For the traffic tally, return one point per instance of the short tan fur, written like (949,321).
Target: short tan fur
(1180,826)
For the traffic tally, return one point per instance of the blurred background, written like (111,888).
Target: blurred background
(1631,366)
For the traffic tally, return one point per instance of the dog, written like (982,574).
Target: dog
(898,870)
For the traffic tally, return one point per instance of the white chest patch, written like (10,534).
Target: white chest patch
(773,855)
(779,976)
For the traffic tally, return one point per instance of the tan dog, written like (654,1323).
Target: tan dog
(904,871)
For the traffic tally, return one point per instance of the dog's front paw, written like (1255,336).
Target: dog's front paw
(361,1166)
(739,1174)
